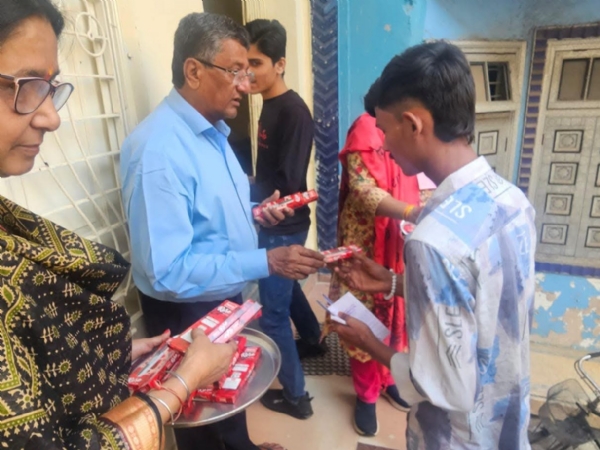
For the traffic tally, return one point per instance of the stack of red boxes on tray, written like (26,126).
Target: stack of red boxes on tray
(228,388)
(293,201)
(221,325)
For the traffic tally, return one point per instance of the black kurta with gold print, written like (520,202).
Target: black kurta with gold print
(65,346)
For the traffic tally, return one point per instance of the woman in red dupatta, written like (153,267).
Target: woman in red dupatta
(373,185)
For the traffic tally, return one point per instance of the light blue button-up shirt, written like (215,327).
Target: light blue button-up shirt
(187,201)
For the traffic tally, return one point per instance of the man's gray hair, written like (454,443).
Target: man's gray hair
(201,35)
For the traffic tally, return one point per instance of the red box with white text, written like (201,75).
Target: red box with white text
(293,201)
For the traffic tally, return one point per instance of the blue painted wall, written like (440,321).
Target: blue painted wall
(567,311)
(503,19)
(370,34)
(474,19)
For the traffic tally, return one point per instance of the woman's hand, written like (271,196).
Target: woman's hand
(140,347)
(205,362)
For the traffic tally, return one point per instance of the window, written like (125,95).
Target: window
(498,69)
(491,81)
(580,80)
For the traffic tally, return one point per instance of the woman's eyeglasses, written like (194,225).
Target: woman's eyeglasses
(30,93)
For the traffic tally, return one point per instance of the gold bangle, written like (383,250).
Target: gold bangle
(407,211)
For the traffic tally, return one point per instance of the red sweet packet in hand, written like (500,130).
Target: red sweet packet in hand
(293,201)
(337,254)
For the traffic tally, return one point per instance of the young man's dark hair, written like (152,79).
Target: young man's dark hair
(438,75)
(269,36)
(372,97)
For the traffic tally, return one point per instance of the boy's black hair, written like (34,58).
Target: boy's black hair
(372,97)
(14,12)
(269,36)
(438,75)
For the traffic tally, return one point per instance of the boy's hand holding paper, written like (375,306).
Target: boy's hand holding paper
(362,330)
(349,306)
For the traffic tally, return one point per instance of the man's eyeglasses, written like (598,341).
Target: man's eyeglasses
(30,93)
(238,75)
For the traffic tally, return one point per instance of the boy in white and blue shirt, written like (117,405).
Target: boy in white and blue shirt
(469,281)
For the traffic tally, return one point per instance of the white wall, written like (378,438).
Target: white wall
(148,28)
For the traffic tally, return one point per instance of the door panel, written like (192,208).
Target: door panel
(566,182)
(492,138)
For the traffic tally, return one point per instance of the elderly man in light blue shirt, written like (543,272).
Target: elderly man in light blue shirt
(187,200)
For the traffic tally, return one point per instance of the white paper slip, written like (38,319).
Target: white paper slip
(333,316)
(350,305)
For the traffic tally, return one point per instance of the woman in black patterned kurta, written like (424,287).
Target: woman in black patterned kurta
(65,346)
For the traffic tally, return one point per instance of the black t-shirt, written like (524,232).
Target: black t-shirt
(285,137)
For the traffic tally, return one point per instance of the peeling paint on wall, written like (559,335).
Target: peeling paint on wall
(567,311)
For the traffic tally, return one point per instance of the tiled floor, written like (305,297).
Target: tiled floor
(330,428)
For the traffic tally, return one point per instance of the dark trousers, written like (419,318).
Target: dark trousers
(228,434)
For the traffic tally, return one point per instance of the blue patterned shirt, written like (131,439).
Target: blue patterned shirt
(470,288)
(187,201)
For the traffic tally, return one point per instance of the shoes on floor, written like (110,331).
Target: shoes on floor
(365,418)
(308,350)
(392,395)
(276,401)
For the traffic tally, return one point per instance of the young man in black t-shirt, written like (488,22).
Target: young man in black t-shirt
(285,136)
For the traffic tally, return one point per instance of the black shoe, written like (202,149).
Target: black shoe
(393,396)
(276,401)
(307,350)
(365,418)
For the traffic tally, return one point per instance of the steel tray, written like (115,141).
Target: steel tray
(267,368)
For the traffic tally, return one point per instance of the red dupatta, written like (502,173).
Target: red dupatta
(363,136)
